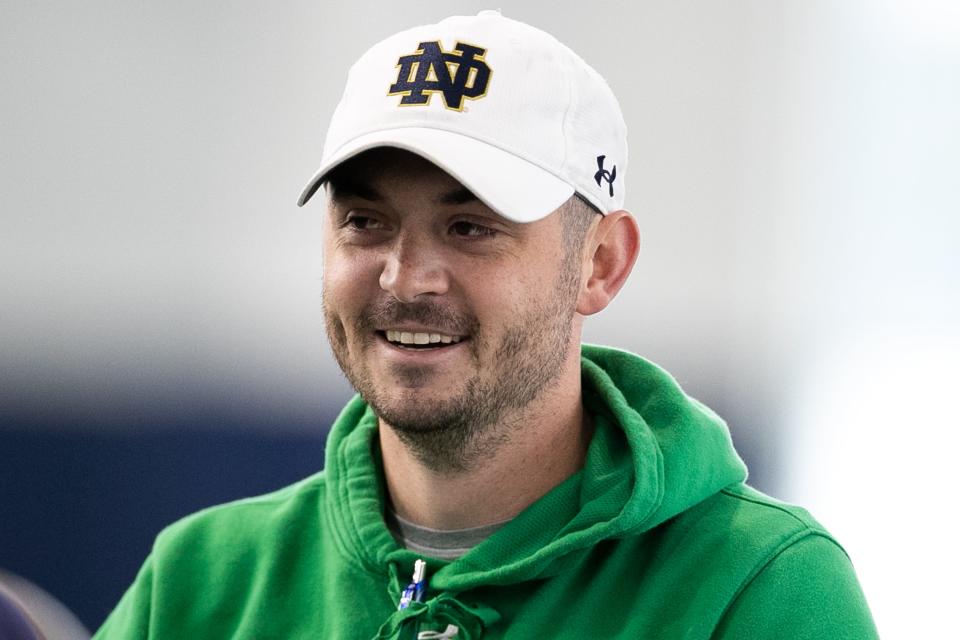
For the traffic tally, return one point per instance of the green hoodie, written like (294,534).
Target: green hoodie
(656,537)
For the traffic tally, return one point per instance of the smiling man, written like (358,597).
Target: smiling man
(493,477)
(460,328)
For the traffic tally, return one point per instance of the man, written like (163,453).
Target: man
(474,173)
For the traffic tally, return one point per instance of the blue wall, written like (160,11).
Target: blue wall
(79,508)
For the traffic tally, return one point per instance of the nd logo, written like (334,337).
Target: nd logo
(458,74)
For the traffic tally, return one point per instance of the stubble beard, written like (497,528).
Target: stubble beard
(452,434)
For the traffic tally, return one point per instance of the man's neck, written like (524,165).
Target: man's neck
(547,445)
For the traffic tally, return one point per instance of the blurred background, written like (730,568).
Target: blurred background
(794,169)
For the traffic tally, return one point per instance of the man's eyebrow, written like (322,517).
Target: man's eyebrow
(460,195)
(341,189)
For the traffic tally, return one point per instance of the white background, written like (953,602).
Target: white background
(794,168)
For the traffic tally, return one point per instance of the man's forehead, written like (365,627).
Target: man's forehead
(372,174)
(385,159)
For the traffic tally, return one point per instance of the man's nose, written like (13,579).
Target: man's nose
(413,269)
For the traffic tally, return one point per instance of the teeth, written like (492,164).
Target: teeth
(408,337)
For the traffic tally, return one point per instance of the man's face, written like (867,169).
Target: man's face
(411,257)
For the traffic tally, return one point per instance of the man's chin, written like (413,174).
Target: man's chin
(414,412)
(403,380)
(404,383)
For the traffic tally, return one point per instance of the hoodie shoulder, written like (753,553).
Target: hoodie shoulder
(227,543)
(755,507)
(797,581)
(740,551)
(246,521)
(738,533)
(750,524)
(201,567)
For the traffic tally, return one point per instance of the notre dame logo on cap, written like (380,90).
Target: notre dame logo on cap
(458,74)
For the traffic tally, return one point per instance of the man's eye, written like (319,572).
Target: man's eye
(361,223)
(470,230)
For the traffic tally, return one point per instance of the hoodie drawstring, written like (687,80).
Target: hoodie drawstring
(446,610)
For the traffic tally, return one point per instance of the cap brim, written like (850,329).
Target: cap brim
(513,187)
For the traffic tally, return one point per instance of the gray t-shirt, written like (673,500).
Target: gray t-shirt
(445,544)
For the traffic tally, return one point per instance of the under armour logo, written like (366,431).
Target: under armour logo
(458,74)
(603,174)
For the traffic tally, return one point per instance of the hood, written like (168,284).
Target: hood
(655,453)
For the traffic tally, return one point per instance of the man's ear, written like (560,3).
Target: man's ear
(609,258)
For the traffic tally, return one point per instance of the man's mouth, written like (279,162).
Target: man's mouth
(419,340)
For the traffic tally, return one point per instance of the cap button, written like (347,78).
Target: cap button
(490,12)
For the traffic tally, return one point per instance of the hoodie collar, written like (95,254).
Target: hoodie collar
(655,453)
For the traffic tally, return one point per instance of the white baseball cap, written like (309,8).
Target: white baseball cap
(505,108)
